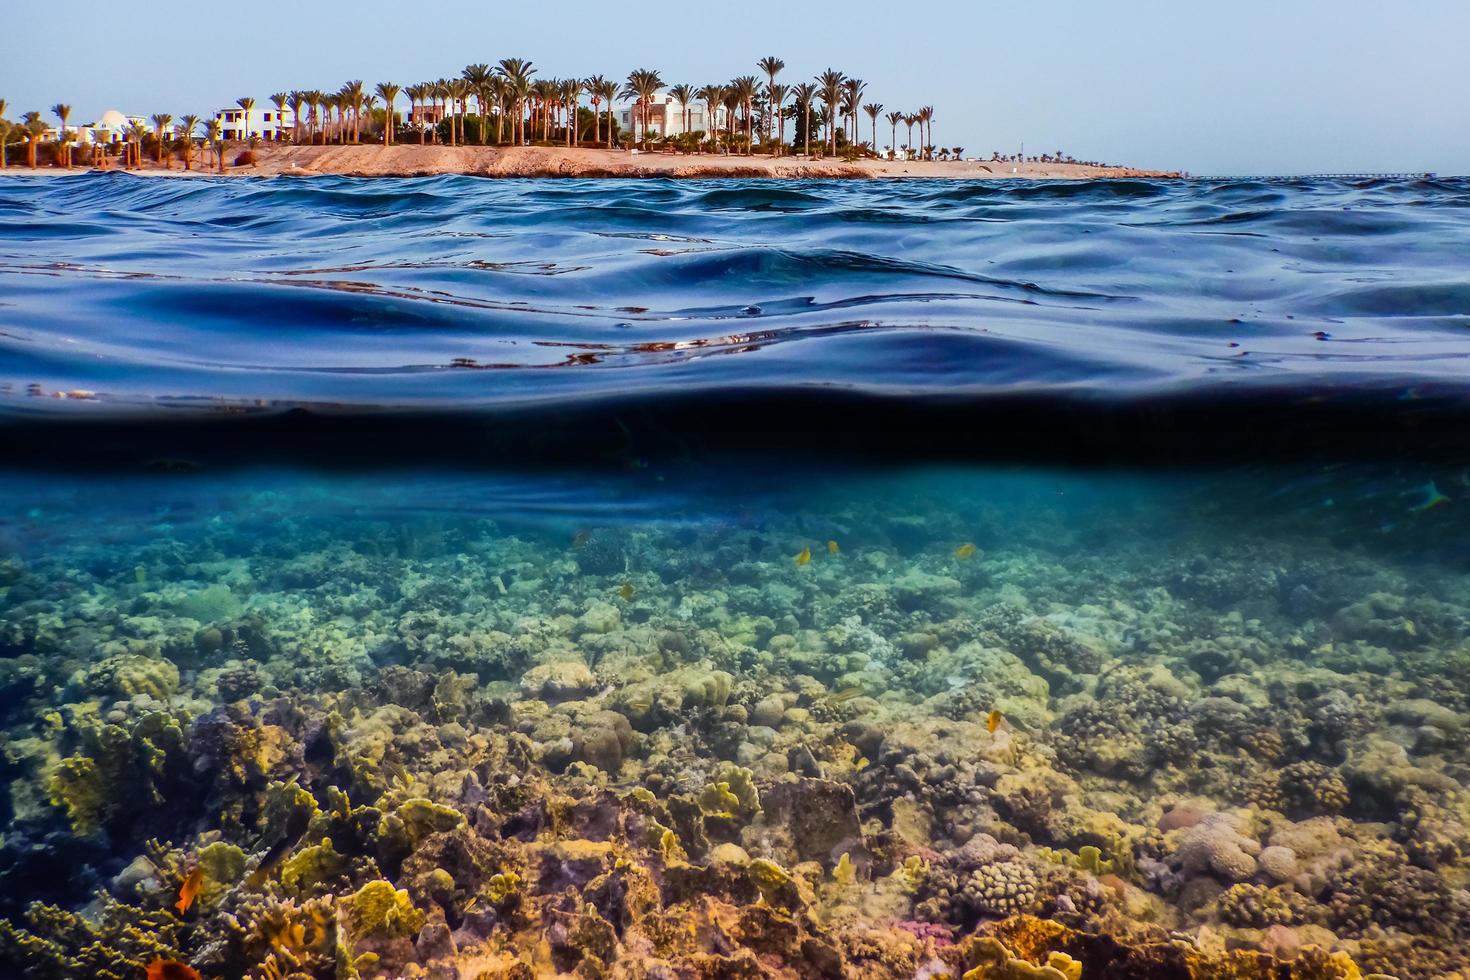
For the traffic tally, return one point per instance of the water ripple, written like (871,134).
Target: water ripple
(121,291)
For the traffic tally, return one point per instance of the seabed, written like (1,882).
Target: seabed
(971,724)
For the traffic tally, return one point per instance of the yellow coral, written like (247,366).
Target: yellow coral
(308,868)
(997,963)
(913,872)
(503,887)
(378,908)
(843,874)
(732,794)
(776,885)
(76,785)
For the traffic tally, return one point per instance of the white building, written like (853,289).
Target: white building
(110,127)
(264,122)
(664,117)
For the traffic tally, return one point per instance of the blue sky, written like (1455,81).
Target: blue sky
(1247,87)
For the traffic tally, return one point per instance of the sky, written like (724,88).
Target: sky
(1240,88)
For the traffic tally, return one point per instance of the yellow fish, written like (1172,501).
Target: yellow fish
(832,548)
(993,720)
(966,550)
(189,890)
(626,591)
(804,556)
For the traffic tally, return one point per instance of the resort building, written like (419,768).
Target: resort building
(664,117)
(264,122)
(110,127)
(423,114)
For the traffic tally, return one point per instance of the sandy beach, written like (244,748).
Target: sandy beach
(538,161)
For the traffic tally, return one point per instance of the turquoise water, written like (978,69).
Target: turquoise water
(342,636)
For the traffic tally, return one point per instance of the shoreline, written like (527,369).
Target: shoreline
(363,160)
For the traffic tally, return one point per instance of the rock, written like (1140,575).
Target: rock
(821,817)
(600,617)
(564,680)
(768,711)
(729,854)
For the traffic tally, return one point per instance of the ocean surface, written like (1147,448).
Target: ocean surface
(466,578)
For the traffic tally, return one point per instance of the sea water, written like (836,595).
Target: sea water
(467,578)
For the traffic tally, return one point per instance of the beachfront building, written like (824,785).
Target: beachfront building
(110,127)
(425,115)
(264,122)
(664,117)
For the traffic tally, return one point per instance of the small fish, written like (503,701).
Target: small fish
(626,592)
(399,774)
(581,538)
(845,695)
(171,970)
(832,548)
(994,720)
(189,890)
(966,550)
(804,556)
(1432,498)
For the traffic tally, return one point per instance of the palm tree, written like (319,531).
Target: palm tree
(684,94)
(479,75)
(805,93)
(136,134)
(62,110)
(542,92)
(388,92)
(248,105)
(161,121)
(926,119)
(185,131)
(214,133)
(852,104)
(34,127)
(643,86)
(894,118)
(517,73)
(745,89)
(713,96)
(314,99)
(872,109)
(772,66)
(909,121)
(732,109)
(4,133)
(595,84)
(500,89)
(607,91)
(353,92)
(571,96)
(776,101)
(829,84)
(296,102)
(279,101)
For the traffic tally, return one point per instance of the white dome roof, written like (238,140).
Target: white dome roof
(113,119)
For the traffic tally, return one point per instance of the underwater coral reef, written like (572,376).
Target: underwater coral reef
(900,732)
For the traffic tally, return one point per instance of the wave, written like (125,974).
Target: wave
(123,297)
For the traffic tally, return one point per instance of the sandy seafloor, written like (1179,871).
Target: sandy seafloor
(920,725)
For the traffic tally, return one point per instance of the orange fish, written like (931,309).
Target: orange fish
(804,556)
(832,548)
(993,720)
(189,890)
(965,550)
(171,970)
(626,591)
